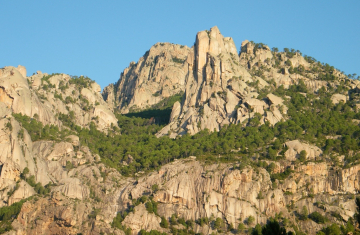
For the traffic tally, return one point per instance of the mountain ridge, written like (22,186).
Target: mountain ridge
(285,145)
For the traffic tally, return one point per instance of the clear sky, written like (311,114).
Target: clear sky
(100,38)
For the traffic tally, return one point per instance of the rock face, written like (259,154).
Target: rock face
(45,97)
(142,219)
(160,73)
(192,190)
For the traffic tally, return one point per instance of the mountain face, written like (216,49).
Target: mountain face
(260,139)
(223,88)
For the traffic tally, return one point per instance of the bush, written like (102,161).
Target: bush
(302,157)
(151,207)
(250,220)
(241,226)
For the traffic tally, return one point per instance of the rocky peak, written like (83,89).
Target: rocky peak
(160,73)
(211,42)
(216,89)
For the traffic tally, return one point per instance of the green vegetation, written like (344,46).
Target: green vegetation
(151,207)
(8,214)
(281,176)
(250,220)
(202,221)
(331,230)
(30,179)
(81,82)
(318,218)
(152,232)
(37,131)
(164,223)
(45,81)
(178,60)
(158,113)
(8,125)
(272,227)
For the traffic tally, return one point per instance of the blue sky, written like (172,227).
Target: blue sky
(100,38)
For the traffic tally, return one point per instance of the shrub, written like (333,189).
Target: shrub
(164,223)
(302,157)
(317,217)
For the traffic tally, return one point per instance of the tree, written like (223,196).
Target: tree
(173,220)
(332,230)
(26,171)
(155,188)
(302,157)
(241,226)
(273,228)
(317,217)
(304,213)
(218,223)
(250,220)
(164,223)
(357,215)
(257,230)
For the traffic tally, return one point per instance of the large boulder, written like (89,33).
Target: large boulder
(295,147)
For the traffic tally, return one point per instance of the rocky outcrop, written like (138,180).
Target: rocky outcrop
(337,98)
(295,147)
(142,219)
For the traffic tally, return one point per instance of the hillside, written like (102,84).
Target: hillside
(199,140)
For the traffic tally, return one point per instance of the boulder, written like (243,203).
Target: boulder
(295,147)
(60,150)
(337,98)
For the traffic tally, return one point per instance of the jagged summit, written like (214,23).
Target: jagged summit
(221,85)
(216,92)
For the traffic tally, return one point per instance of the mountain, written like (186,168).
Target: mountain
(196,140)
